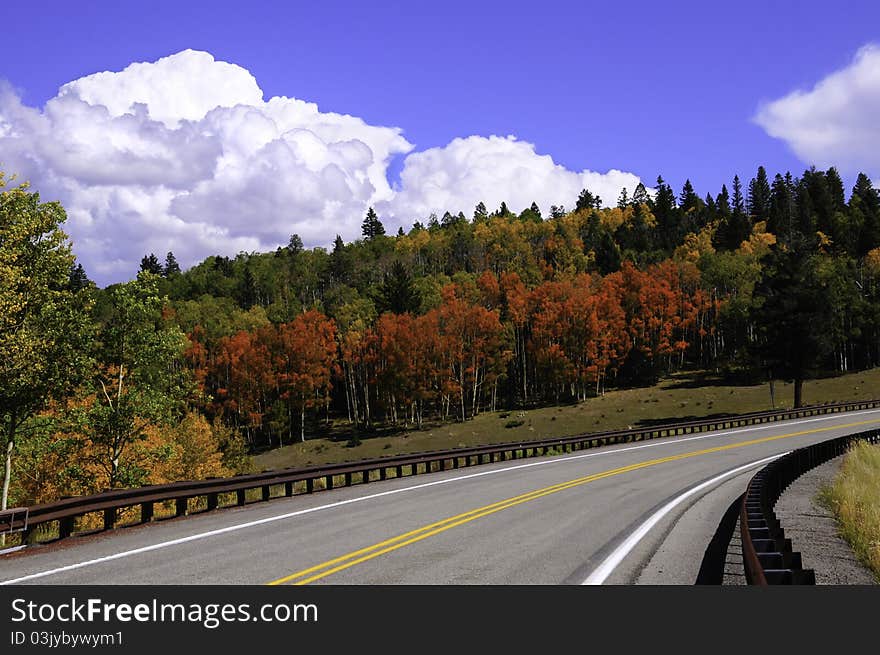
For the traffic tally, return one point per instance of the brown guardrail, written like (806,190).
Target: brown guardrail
(232,491)
(768,557)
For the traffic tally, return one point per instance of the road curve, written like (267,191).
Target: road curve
(635,513)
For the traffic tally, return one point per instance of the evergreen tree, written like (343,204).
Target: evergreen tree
(865,207)
(835,189)
(735,227)
(623,199)
(557,212)
(503,211)
(688,199)
(171,268)
(665,213)
(372,227)
(791,315)
(397,293)
(587,200)
(722,202)
(480,212)
(640,195)
(340,264)
(294,245)
(738,201)
(759,195)
(150,264)
(532,214)
(78,280)
(248,294)
(607,253)
(780,218)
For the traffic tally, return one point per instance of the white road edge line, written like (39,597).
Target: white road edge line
(242,526)
(606,568)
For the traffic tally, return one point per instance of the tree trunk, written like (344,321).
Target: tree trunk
(798,392)
(302,421)
(7,466)
(772,394)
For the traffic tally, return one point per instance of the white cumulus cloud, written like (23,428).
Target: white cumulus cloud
(184,154)
(494,170)
(835,122)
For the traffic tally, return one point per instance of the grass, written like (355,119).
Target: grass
(680,397)
(854,499)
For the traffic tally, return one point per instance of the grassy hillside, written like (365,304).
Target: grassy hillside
(680,397)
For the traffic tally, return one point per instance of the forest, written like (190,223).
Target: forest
(181,374)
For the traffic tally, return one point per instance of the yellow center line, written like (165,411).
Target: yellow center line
(348,560)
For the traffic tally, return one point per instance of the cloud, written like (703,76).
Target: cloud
(491,170)
(834,123)
(184,154)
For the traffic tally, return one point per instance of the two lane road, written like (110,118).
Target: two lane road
(624,514)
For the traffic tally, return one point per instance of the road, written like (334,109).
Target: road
(627,514)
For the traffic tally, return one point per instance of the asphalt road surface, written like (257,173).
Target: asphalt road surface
(630,514)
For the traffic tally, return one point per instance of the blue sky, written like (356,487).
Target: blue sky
(646,88)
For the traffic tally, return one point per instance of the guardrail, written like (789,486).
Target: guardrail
(768,557)
(225,492)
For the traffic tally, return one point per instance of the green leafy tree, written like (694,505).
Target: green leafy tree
(138,381)
(44,322)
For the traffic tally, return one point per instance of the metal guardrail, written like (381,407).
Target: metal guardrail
(225,492)
(768,557)
(14,519)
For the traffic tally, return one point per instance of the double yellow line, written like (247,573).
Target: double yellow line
(354,558)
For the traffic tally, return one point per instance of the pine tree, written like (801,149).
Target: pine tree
(340,264)
(397,293)
(640,195)
(480,213)
(294,245)
(688,199)
(780,216)
(665,213)
(866,201)
(587,200)
(737,227)
(738,202)
(78,278)
(722,202)
(150,264)
(759,196)
(171,268)
(835,189)
(623,199)
(372,227)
